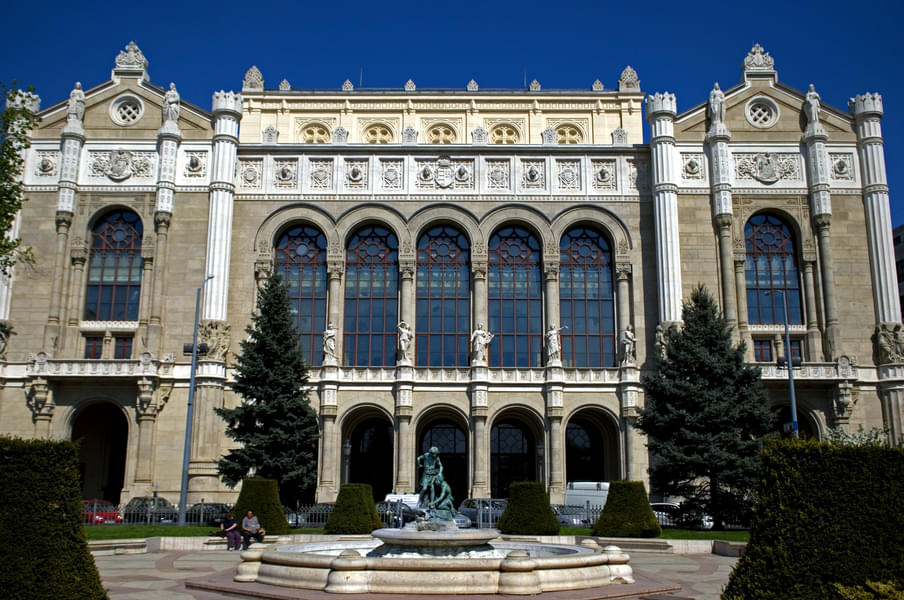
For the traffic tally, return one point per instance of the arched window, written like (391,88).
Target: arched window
(771,271)
(443,298)
(515,298)
(378,134)
(371,297)
(114,271)
(301,260)
(586,300)
(513,456)
(441,134)
(315,133)
(504,134)
(568,134)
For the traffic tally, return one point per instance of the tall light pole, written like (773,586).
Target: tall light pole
(788,360)
(186,454)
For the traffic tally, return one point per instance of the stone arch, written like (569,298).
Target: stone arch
(602,460)
(608,223)
(104,428)
(286,216)
(368,429)
(527,217)
(112,207)
(435,214)
(516,434)
(365,214)
(448,428)
(799,230)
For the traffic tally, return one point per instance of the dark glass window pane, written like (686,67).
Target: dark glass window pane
(115,267)
(94,346)
(771,272)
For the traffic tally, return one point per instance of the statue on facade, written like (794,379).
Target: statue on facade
(329,341)
(716,106)
(171,104)
(811,105)
(480,341)
(628,341)
(890,340)
(431,478)
(659,343)
(405,338)
(75,110)
(553,343)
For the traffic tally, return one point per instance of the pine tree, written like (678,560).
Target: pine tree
(274,423)
(705,415)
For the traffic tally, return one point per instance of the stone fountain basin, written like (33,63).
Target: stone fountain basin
(511,567)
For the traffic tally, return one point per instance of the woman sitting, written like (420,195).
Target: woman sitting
(230,527)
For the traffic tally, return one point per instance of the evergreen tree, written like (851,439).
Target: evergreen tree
(274,423)
(705,414)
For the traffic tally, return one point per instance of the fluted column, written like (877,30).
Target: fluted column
(335,270)
(551,291)
(661,110)
(814,339)
(479,277)
(740,282)
(147,419)
(823,224)
(227,112)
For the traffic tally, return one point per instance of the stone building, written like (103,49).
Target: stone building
(486,271)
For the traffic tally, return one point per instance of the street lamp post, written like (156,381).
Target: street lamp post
(788,361)
(347,452)
(186,454)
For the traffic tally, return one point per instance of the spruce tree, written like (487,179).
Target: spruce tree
(274,423)
(705,415)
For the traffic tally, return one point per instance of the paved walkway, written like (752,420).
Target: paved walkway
(162,575)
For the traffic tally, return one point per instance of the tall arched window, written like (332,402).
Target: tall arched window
(443,298)
(114,271)
(771,271)
(301,260)
(586,300)
(371,297)
(515,298)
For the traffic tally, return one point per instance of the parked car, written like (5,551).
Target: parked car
(572,516)
(148,509)
(488,509)
(389,513)
(100,511)
(672,514)
(206,513)
(461,521)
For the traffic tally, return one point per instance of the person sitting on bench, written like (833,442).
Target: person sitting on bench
(251,528)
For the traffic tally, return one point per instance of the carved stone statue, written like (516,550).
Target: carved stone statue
(75,111)
(6,330)
(553,344)
(431,478)
(890,340)
(659,343)
(329,341)
(405,338)
(480,341)
(628,341)
(171,104)
(811,105)
(716,105)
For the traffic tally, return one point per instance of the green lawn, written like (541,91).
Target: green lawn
(668,533)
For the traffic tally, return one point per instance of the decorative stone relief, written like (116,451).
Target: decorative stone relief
(692,166)
(757,60)
(322,174)
(356,174)
(597,86)
(409,135)
(533,174)
(619,137)
(568,174)
(217,335)
(249,173)
(6,330)
(603,174)
(890,342)
(340,135)
(195,164)
(498,174)
(767,167)
(479,397)
(444,174)
(285,174)
(842,166)
(409,86)
(131,58)
(347,86)
(47,164)
(639,175)
(479,136)
(254,80)
(270,135)
(548,135)
(628,82)
(534,86)
(119,165)
(391,174)
(284,85)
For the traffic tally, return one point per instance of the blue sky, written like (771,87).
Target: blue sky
(679,47)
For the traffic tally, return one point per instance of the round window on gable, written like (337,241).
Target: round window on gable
(761,112)
(126,110)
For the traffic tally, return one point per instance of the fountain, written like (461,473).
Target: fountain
(433,556)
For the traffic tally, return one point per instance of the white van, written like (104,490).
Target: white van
(409,499)
(584,493)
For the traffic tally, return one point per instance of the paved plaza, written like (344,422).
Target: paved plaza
(151,576)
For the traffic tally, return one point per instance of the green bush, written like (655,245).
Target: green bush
(261,495)
(825,515)
(627,512)
(355,511)
(528,510)
(45,554)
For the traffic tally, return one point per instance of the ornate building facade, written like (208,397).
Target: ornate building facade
(485,271)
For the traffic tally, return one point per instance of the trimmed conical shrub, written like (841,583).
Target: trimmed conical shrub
(355,511)
(45,554)
(261,495)
(528,510)
(627,512)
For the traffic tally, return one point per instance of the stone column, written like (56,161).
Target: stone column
(661,110)
(815,138)
(147,419)
(406,304)
(328,467)
(479,277)
(555,455)
(740,280)
(551,291)
(623,272)
(480,445)
(78,256)
(404,471)
(717,138)
(814,339)
(336,269)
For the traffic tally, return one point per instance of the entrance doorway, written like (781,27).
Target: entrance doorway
(103,433)
(370,460)
(512,456)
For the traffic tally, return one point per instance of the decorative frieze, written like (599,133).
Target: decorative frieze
(119,165)
(498,175)
(285,174)
(603,174)
(767,167)
(444,173)
(195,164)
(533,174)
(249,173)
(47,163)
(692,166)
(568,173)
(391,174)
(639,175)
(842,166)
(321,174)
(356,174)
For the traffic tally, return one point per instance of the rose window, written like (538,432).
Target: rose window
(761,112)
(504,134)
(126,110)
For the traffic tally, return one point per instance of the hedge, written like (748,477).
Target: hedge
(261,495)
(355,511)
(826,514)
(627,512)
(44,554)
(528,511)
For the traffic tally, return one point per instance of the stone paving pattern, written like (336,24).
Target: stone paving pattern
(163,575)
